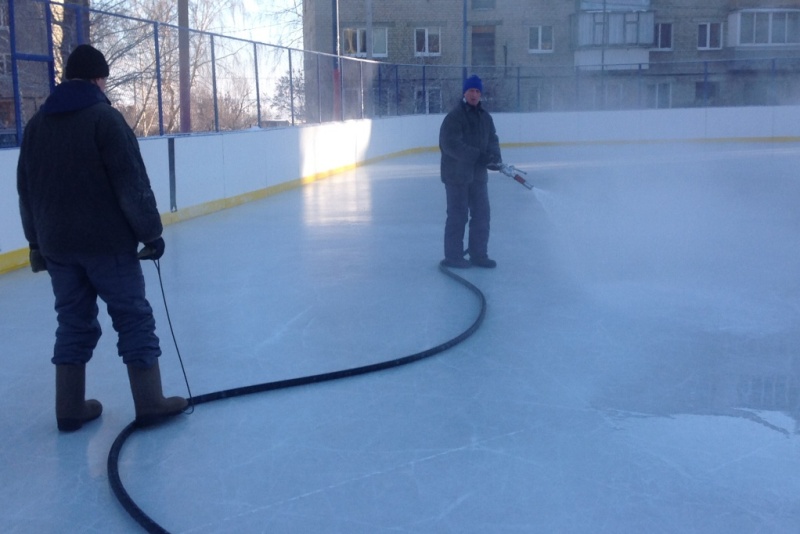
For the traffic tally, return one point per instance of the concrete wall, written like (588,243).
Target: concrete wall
(217,171)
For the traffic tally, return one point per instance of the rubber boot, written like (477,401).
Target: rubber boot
(72,410)
(151,406)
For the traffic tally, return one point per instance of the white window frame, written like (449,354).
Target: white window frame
(772,23)
(378,34)
(706,29)
(659,32)
(616,28)
(380,42)
(598,29)
(423,101)
(657,92)
(540,44)
(535,99)
(5,64)
(631,24)
(427,52)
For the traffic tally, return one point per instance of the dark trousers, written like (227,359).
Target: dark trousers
(467,203)
(77,281)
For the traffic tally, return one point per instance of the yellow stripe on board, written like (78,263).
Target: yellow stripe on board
(17,259)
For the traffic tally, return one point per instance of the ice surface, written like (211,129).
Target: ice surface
(637,370)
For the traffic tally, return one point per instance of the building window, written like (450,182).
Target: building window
(663,36)
(482,4)
(354,42)
(533,97)
(608,95)
(540,39)
(483,45)
(631,22)
(616,28)
(704,92)
(384,101)
(659,95)
(598,29)
(380,42)
(5,64)
(427,42)
(709,36)
(428,101)
(769,27)
(785,27)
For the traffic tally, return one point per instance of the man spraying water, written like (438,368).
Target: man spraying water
(469,143)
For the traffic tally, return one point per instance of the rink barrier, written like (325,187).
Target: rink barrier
(16,259)
(211,172)
(151,526)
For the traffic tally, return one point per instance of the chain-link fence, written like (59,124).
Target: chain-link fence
(169,80)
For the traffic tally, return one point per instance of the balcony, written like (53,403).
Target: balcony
(613,40)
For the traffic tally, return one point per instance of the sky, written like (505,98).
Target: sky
(260,20)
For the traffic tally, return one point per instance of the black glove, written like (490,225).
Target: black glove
(495,166)
(38,263)
(488,158)
(152,250)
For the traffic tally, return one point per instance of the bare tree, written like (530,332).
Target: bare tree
(129,44)
(282,20)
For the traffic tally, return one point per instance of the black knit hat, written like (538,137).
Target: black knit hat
(86,63)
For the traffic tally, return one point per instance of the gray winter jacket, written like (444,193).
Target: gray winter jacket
(466,138)
(82,183)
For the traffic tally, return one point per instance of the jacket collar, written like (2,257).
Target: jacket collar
(73,95)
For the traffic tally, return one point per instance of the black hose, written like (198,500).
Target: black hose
(151,526)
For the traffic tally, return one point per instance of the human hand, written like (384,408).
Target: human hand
(489,160)
(495,165)
(152,250)
(38,263)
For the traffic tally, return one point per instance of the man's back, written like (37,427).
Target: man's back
(83,185)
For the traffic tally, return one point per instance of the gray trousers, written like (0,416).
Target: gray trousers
(467,203)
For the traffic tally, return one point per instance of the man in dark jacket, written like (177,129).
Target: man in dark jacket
(468,142)
(86,204)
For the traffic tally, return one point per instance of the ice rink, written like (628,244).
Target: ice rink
(637,370)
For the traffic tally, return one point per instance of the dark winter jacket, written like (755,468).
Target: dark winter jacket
(466,137)
(82,184)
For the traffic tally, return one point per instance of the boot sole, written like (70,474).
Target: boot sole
(71,424)
(156,418)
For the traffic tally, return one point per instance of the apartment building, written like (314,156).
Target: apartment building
(37,26)
(7,135)
(569,54)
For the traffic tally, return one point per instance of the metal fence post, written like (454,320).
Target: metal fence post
(319,92)
(258,90)
(424,90)
(380,90)
(15,71)
(773,85)
(639,84)
(361,86)
(397,89)
(214,85)
(291,88)
(159,93)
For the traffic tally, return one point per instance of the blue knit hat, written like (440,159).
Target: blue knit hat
(473,82)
